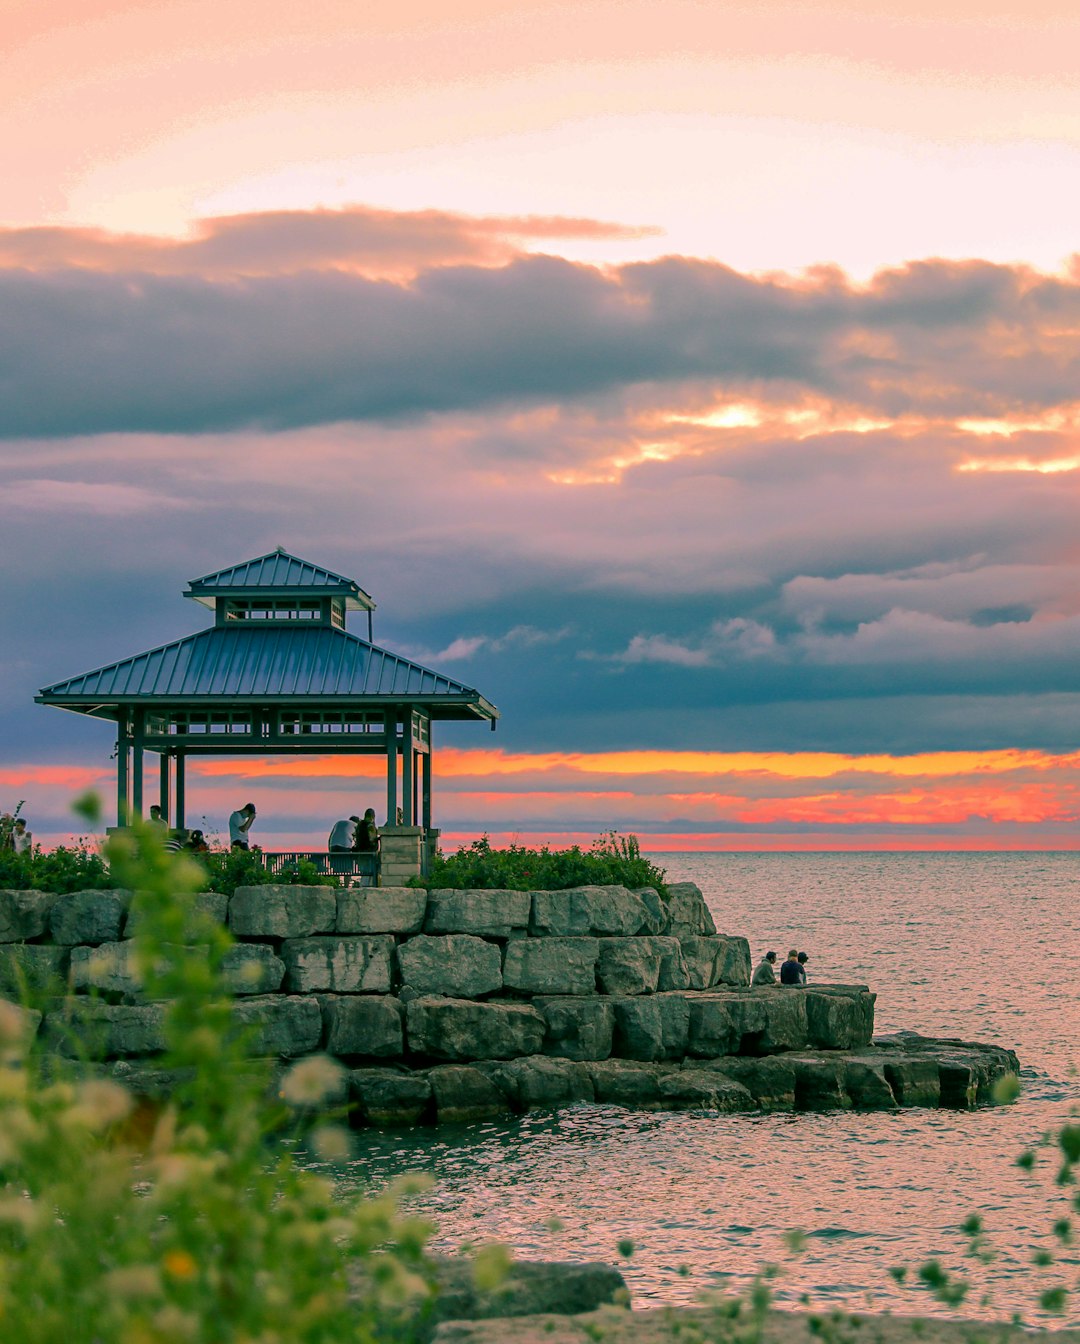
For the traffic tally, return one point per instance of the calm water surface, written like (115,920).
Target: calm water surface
(983,946)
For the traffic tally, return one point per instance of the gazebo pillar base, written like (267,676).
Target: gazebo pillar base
(402,854)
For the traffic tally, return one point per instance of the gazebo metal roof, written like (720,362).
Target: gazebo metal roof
(266,664)
(278,574)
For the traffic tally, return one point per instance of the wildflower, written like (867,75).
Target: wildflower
(312,1081)
(179,1265)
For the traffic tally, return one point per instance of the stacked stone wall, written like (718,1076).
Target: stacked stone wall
(459,1004)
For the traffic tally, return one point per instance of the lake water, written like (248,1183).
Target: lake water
(980,946)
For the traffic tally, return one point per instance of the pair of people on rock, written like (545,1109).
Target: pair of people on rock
(792,972)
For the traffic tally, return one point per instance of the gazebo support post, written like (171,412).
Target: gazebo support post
(390,723)
(408,770)
(165,786)
(123,771)
(425,789)
(178,820)
(137,767)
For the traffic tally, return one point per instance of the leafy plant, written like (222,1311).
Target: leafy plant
(190,1221)
(612,859)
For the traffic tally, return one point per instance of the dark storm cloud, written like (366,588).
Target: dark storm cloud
(85,352)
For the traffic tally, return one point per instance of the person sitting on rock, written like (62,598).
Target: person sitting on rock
(766,972)
(804,957)
(791,973)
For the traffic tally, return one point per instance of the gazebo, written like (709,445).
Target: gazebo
(277,673)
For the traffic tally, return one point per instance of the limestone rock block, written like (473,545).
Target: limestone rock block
(700,1089)
(32,968)
(716,959)
(914,1079)
(529,1290)
(628,966)
(88,917)
(108,968)
(381,909)
(819,1082)
(551,965)
(210,904)
(539,1081)
(463,1094)
(770,1079)
(24,914)
(627,1082)
(252,968)
(747,1022)
(343,965)
(458,1029)
(494,913)
(280,1024)
(688,915)
(866,1084)
(674,973)
(106,1030)
(282,911)
(361,1024)
(652,1027)
(578,1028)
(839,1017)
(967,1070)
(582,911)
(657,921)
(457,964)
(389,1097)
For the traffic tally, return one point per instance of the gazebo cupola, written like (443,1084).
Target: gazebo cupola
(282,589)
(277,673)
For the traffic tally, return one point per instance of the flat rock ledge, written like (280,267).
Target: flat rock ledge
(569,1303)
(695,1325)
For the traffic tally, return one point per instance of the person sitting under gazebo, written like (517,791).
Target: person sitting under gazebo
(367,834)
(343,835)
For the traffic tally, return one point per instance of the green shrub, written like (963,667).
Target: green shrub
(67,868)
(84,867)
(612,859)
(122,1223)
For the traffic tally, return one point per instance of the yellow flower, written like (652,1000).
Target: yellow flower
(179,1265)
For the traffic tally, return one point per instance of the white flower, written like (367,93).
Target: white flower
(311,1081)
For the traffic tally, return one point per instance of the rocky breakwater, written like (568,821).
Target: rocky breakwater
(461,1005)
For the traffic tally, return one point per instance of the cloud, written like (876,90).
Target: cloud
(113,500)
(464,647)
(89,351)
(358,239)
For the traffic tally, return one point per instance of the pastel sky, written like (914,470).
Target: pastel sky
(700,381)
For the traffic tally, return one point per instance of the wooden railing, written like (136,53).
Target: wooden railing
(361,870)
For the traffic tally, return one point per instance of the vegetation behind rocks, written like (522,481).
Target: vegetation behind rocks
(612,859)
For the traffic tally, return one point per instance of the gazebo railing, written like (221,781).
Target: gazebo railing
(356,869)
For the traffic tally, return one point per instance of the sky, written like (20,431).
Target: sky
(701,382)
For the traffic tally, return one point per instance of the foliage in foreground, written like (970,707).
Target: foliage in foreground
(84,867)
(133,1225)
(612,859)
